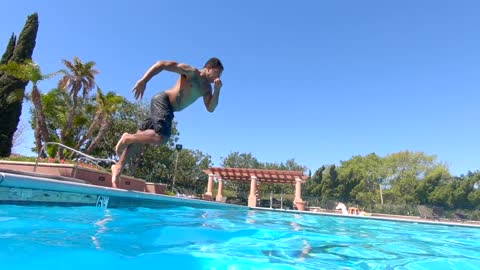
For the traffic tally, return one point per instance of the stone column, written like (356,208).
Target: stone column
(220,189)
(209,195)
(298,201)
(252,198)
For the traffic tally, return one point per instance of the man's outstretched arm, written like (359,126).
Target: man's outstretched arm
(182,69)
(211,100)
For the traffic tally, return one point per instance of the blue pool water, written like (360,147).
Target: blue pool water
(192,238)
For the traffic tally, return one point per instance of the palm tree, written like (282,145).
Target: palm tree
(79,76)
(112,106)
(107,105)
(29,71)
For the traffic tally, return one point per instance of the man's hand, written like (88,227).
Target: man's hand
(217,83)
(139,89)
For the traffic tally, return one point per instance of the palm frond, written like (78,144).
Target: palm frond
(16,70)
(27,71)
(68,64)
(51,75)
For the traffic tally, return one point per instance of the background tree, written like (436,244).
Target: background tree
(189,174)
(240,160)
(434,178)
(329,185)
(9,50)
(92,123)
(107,106)
(313,186)
(351,173)
(78,77)
(406,169)
(12,89)
(368,170)
(56,106)
(29,71)
(125,119)
(474,196)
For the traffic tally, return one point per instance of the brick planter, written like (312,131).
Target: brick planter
(94,177)
(155,188)
(91,176)
(131,183)
(45,168)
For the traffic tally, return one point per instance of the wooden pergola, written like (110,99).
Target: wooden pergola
(254,175)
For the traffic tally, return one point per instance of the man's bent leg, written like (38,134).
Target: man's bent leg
(120,146)
(133,142)
(148,136)
(117,169)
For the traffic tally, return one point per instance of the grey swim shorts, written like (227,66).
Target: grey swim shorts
(161,116)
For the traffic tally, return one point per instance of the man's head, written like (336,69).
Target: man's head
(213,68)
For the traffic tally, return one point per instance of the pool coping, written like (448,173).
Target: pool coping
(40,182)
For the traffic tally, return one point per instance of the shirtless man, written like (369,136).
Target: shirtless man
(156,129)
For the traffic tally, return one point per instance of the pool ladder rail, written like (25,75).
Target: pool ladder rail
(84,157)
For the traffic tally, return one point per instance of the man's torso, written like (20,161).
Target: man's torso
(187,90)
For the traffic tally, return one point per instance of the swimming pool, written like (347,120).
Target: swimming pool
(185,237)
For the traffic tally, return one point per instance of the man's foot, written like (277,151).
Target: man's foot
(120,147)
(115,176)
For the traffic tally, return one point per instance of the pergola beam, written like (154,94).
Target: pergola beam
(254,176)
(245,174)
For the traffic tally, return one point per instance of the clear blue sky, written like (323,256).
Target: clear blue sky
(317,81)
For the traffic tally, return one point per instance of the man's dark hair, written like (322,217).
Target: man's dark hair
(214,63)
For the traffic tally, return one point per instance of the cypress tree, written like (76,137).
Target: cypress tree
(9,51)
(27,40)
(5,58)
(12,90)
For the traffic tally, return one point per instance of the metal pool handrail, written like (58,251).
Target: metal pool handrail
(84,157)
